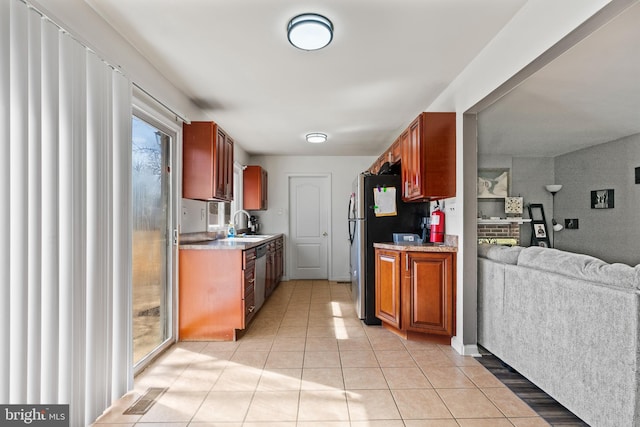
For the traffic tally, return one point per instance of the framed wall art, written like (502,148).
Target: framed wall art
(602,199)
(493,183)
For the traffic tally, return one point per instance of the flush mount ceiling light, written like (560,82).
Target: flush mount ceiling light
(316,138)
(310,31)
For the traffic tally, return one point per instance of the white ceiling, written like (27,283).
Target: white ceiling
(587,96)
(387,62)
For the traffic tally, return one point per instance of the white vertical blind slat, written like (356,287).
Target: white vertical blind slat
(122,237)
(72,217)
(18,179)
(34,229)
(98,136)
(49,219)
(5,315)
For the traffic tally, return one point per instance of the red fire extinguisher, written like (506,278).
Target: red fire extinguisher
(437,225)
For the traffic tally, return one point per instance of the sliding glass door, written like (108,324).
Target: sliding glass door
(152,238)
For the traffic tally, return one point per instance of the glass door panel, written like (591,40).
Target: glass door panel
(151,238)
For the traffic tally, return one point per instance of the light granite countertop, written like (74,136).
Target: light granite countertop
(232,243)
(416,247)
(450,245)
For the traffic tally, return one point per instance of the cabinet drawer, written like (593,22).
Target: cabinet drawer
(249,285)
(249,307)
(248,257)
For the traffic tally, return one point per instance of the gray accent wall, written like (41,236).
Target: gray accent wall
(610,234)
(529,175)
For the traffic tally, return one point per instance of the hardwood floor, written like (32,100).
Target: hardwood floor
(553,412)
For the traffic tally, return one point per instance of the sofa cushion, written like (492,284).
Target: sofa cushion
(505,254)
(580,266)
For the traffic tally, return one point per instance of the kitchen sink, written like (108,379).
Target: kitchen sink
(242,239)
(247,238)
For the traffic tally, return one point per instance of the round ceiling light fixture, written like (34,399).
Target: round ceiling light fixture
(316,137)
(310,31)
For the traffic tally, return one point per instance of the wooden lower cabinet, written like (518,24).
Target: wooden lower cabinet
(415,293)
(388,275)
(217,290)
(211,294)
(275,265)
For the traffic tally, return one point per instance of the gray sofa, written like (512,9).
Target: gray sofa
(567,322)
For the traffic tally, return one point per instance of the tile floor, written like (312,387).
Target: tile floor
(306,360)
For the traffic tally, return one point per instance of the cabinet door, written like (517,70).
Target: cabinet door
(228,168)
(220,171)
(428,157)
(254,188)
(388,284)
(429,295)
(207,171)
(396,151)
(407,168)
(264,189)
(198,160)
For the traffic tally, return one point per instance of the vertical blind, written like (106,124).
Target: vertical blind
(65,192)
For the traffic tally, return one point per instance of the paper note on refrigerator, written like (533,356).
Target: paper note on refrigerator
(385,201)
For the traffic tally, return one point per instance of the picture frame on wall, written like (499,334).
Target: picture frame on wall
(493,183)
(602,199)
(540,230)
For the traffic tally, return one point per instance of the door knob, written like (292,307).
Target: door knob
(325,234)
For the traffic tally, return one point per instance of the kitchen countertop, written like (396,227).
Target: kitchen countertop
(416,247)
(450,245)
(234,243)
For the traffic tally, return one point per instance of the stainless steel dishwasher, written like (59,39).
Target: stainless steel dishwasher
(260,275)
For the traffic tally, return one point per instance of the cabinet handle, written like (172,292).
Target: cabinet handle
(406,261)
(250,310)
(252,280)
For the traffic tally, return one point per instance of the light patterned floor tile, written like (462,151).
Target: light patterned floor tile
(468,403)
(371,405)
(319,405)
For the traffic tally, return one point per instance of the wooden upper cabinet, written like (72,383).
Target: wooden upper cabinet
(396,152)
(429,157)
(207,171)
(254,181)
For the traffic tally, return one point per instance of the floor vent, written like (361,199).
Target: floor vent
(145,402)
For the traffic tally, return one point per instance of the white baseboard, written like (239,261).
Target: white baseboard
(465,350)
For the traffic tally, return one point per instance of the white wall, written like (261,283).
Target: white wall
(343,171)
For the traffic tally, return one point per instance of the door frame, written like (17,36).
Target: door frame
(147,109)
(289,248)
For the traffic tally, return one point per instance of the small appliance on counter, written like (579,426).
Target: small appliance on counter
(254,226)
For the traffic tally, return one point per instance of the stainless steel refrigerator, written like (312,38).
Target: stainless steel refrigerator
(365,229)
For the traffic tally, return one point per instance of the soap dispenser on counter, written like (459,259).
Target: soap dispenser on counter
(231,230)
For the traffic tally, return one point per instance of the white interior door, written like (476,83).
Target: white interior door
(309,226)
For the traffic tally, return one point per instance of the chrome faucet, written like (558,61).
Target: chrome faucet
(233,217)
